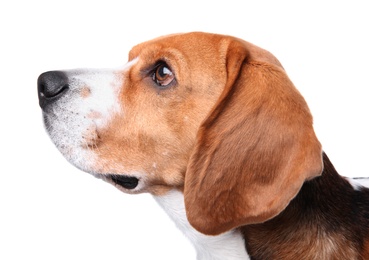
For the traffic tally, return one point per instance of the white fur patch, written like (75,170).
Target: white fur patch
(363,181)
(227,246)
(359,183)
(88,105)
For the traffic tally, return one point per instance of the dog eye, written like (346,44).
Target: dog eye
(162,75)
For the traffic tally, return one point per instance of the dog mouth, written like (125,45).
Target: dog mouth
(127,182)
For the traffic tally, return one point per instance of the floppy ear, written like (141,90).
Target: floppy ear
(255,149)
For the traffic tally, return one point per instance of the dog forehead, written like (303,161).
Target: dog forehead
(185,44)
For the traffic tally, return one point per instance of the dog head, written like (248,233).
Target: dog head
(211,115)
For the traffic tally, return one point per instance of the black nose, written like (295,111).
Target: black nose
(51,86)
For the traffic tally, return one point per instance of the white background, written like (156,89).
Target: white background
(50,210)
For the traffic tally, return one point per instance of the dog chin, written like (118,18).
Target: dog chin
(78,155)
(84,158)
(81,158)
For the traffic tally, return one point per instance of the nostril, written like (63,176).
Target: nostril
(45,90)
(51,85)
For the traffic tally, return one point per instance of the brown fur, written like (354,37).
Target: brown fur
(255,149)
(157,128)
(324,221)
(234,134)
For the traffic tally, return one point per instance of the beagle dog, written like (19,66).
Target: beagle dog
(214,129)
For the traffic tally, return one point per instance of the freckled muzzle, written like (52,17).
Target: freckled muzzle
(77,105)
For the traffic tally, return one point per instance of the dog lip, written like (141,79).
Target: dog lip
(127,182)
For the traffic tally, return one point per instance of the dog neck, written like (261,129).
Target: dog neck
(229,245)
(326,220)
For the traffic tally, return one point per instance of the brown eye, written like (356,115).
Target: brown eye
(162,75)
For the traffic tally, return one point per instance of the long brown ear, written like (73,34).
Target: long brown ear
(255,149)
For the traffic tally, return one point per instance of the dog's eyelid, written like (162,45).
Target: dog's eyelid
(149,69)
(161,74)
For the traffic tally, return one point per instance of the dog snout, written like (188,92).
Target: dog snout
(51,86)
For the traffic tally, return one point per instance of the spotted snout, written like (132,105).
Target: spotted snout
(76,106)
